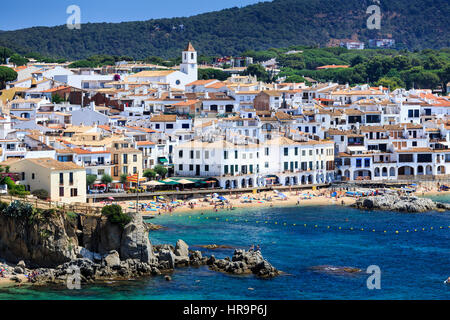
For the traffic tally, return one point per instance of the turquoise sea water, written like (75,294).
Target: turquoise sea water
(413,264)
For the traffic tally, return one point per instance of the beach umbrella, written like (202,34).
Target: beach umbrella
(153,183)
(185,181)
(110,198)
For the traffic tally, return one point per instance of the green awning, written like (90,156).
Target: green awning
(163,160)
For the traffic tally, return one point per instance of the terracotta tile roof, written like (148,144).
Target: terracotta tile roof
(54,164)
(145,143)
(164,118)
(190,47)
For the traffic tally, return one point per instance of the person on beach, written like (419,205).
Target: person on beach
(252,248)
(258,249)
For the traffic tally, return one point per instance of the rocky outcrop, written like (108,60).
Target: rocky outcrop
(135,243)
(245,262)
(90,271)
(215,246)
(49,246)
(46,240)
(131,242)
(399,203)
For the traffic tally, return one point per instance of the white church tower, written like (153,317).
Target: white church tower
(189,64)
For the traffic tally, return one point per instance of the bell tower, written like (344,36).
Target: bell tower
(189,62)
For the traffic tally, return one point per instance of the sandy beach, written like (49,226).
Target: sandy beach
(7,282)
(165,205)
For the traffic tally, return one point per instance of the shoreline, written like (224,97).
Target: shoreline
(293,199)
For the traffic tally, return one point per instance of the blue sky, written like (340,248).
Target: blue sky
(30,13)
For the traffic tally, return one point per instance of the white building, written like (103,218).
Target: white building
(176,79)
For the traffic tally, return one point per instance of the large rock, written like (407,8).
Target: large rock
(135,243)
(181,249)
(399,203)
(245,262)
(112,259)
(166,259)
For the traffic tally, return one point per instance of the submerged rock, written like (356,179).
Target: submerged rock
(336,270)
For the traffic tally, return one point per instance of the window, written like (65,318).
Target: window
(266,165)
(424,158)
(235,154)
(134,170)
(71,177)
(134,157)
(125,158)
(405,158)
(23,175)
(180,167)
(169,126)
(286,151)
(61,191)
(267,151)
(358,163)
(32,176)
(61,178)
(180,154)
(296,151)
(157,126)
(125,169)
(366,163)
(192,154)
(225,155)
(191,167)
(116,171)
(197,154)
(206,167)
(185,126)
(225,169)
(74,192)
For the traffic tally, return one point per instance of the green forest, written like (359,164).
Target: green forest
(427,68)
(414,24)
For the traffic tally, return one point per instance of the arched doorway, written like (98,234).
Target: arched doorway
(406,171)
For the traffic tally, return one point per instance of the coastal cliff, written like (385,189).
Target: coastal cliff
(40,237)
(409,204)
